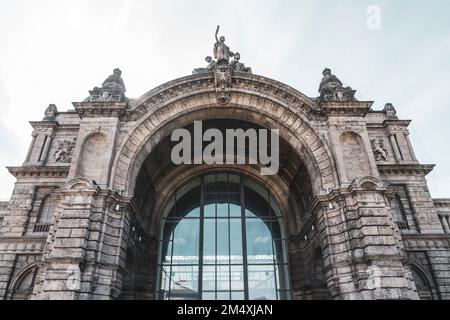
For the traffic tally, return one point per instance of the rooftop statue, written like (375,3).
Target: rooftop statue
(332,89)
(112,90)
(390,111)
(222,52)
(222,56)
(115,82)
(239,66)
(50,113)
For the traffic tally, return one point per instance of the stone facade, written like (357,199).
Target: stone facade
(83,220)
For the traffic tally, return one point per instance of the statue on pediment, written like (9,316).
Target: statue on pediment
(332,89)
(222,52)
(50,113)
(112,90)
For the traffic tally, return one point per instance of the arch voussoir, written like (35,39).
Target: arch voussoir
(247,104)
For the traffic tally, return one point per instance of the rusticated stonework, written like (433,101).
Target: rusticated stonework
(84,219)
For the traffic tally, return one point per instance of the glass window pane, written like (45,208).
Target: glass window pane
(223,295)
(234,184)
(235,206)
(184,282)
(237,295)
(282,276)
(188,188)
(236,241)
(222,209)
(251,186)
(209,278)
(234,180)
(170,208)
(280,251)
(188,201)
(209,179)
(209,242)
(223,260)
(223,241)
(166,252)
(210,210)
(165,278)
(275,211)
(237,278)
(261,283)
(223,278)
(209,295)
(186,242)
(259,242)
(275,229)
(222,177)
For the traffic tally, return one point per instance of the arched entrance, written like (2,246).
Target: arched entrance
(190,212)
(222,237)
(142,169)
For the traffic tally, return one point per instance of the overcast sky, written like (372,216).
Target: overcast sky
(54,51)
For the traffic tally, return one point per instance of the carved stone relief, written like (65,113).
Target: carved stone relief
(379,150)
(354,155)
(222,77)
(64,151)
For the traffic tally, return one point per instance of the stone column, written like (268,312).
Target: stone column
(46,148)
(85,254)
(30,150)
(395,147)
(411,149)
(445,224)
(362,250)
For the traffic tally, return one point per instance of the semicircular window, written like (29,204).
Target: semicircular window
(222,238)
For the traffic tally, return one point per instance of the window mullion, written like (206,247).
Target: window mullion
(244,240)
(201,238)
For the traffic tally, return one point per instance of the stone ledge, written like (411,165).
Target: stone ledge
(406,168)
(443,203)
(46,171)
(424,241)
(346,108)
(100,109)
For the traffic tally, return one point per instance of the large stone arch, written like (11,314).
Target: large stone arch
(252,98)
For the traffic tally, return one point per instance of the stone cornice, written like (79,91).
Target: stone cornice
(100,109)
(424,169)
(392,122)
(22,245)
(443,203)
(345,108)
(422,241)
(44,124)
(39,171)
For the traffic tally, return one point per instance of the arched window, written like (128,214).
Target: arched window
(45,216)
(222,238)
(422,284)
(319,269)
(23,288)
(398,212)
